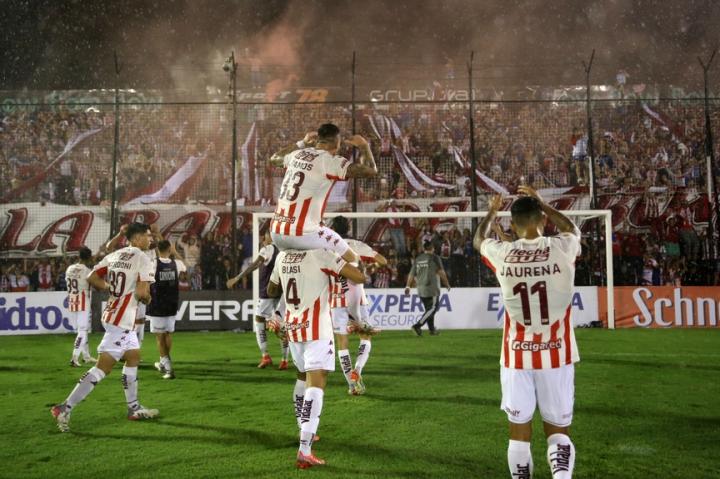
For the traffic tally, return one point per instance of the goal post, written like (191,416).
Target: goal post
(606,215)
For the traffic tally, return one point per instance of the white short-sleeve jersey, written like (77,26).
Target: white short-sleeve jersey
(345,293)
(303,276)
(78,287)
(122,270)
(537,282)
(309,176)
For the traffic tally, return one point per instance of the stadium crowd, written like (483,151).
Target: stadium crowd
(639,151)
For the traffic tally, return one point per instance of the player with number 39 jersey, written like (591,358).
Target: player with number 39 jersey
(78,290)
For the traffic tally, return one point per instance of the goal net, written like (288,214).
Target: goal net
(374,228)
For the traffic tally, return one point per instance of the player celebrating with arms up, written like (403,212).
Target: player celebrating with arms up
(303,277)
(536,275)
(312,167)
(129,273)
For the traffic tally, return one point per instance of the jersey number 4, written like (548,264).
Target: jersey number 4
(539,288)
(291,293)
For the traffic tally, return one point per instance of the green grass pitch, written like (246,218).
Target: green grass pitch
(647,406)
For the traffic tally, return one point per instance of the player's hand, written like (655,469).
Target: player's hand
(232,282)
(529,191)
(407,291)
(123,228)
(356,141)
(310,138)
(496,203)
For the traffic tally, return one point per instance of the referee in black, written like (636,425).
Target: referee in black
(427,271)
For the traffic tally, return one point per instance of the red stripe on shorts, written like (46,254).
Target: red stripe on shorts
(316,320)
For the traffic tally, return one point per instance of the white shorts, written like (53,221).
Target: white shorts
(266,307)
(340,318)
(162,324)
(80,320)
(314,355)
(323,238)
(117,340)
(553,390)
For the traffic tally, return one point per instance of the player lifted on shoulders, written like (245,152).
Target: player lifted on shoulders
(536,275)
(79,304)
(128,274)
(349,311)
(303,277)
(267,307)
(312,166)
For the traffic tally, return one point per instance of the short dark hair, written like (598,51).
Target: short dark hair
(85,253)
(525,210)
(135,228)
(328,132)
(427,244)
(341,226)
(163,245)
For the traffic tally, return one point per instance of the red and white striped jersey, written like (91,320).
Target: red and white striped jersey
(303,276)
(309,177)
(78,287)
(45,279)
(345,292)
(123,269)
(537,282)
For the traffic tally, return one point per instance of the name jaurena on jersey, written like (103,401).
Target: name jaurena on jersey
(525,271)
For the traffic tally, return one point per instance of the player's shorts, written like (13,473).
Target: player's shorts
(80,320)
(313,355)
(162,324)
(323,238)
(340,318)
(553,390)
(266,307)
(118,340)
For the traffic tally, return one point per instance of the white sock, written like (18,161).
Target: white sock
(285,349)
(261,336)
(130,385)
(363,355)
(166,363)
(85,347)
(345,363)
(520,459)
(310,417)
(87,383)
(561,456)
(298,397)
(77,347)
(140,331)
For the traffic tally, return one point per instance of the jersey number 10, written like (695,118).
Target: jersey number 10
(539,288)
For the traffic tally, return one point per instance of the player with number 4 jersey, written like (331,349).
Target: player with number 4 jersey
(536,275)
(302,277)
(312,166)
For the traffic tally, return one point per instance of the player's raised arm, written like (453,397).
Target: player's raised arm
(252,267)
(278,158)
(562,222)
(483,229)
(114,242)
(353,274)
(365,167)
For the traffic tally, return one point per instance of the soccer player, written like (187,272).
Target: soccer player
(78,290)
(349,311)
(536,275)
(128,274)
(312,167)
(426,271)
(303,277)
(162,310)
(267,307)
